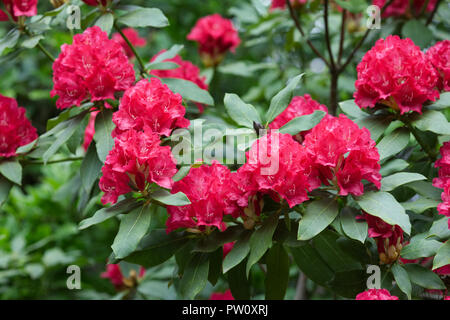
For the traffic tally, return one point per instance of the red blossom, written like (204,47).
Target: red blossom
(95,3)
(443,180)
(281,4)
(400,8)
(396,73)
(206,187)
(439,56)
(351,157)
(187,71)
(132,36)
(375,294)
(215,36)
(221,296)
(15,129)
(92,67)
(136,160)
(114,274)
(153,104)
(18,8)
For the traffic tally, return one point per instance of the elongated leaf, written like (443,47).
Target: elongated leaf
(217,239)
(167,198)
(195,276)
(420,205)
(303,123)
(397,179)
(215,266)
(349,283)
(351,109)
(103,214)
(440,229)
(442,257)
(282,99)
(242,113)
(393,143)
(11,170)
(434,121)
(105,22)
(5,187)
(392,166)
(402,279)
(239,252)
(318,215)
(442,103)
(90,168)
(420,247)
(144,17)
(353,228)
(189,90)
(166,55)
(424,277)
(103,129)
(384,206)
(425,189)
(261,240)
(239,284)
(376,125)
(9,40)
(169,65)
(277,276)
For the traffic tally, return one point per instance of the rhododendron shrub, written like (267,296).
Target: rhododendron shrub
(319,157)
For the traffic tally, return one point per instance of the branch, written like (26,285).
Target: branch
(138,58)
(299,27)
(342,37)
(327,36)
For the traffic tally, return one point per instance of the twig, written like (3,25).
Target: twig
(48,54)
(342,37)
(138,58)
(327,36)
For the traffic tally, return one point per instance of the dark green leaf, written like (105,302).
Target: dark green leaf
(144,17)
(391,182)
(418,32)
(424,277)
(239,252)
(303,123)
(355,229)
(167,198)
(402,279)
(393,143)
(242,113)
(349,283)
(5,187)
(376,125)
(318,215)
(238,282)
(11,170)
(189,90)
(420,247)
(103,129)
(195,275)
(277,276)
(90,168)
(215,266)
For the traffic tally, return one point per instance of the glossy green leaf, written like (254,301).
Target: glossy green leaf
(90,168)
(402,279)
(355,229)
(318,215)
(170,199)
(303,123)
(11,170)
(144,17)
(242,113)
(195,276)
(239,252)
(277,275)
(395,180)
(103,129)
(393,143)
(189,90)
(442,257)
(424,277)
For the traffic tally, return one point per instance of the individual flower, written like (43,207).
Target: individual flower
(281,4)
(389,238)
(215,36)
(439,56)
(299,106)
(186,70)
(375,294)
(153,104)
(221,296)
(396,73)
(18,8)
(136,161)
(92,67)
(443,180)
(15,129)
(351,157)
(132,36)
(206,188)
(89,131)
(402,8)
(95,3)
(114,274)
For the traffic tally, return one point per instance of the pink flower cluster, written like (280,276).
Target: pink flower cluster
(375,294)
(187,71)
(400,8)
(91,67)
(18,8)
(439,56)
(136,160)
(215,36)
(95,3)
(443,180)
(281,4)
(152,104)
(396,73)
(15,129)
(114,274)
(132,36)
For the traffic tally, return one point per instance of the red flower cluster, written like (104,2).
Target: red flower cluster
(215,36)
(221,296)
(299,106)
(15,129)
(18,8)
(186,71)
(389,238)
(351,157)
(95,3)
(152,104)
(132,36)
(395,72)
(439,56)
(91,67)
(89,131)
(281,4)
(375,294)
(400,8)
(206,187)
(443,181)
(114,274)
(136,160)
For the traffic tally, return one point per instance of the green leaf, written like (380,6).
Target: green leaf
(215,266)
(169,65)
(189,90)
(384,206)
(420,247)
(195,276)
(11,170)
(5,187)
(311,264)
(9,40)
(393,143)
(282,99)
(238,282)
(105,22)
(103,129)
(402,279)
(376,125)
(303,123)
(318,215)
(353,228)
(167,198)
(261,240)
(418,32)
(349,283)
(239,252)
(166,55)
(442,257)
(434,121)
(277,275)
(32,41)
(420,205)
(442,103)
(217,239)
(350,108)
(392,166)
(242,113)
(90,168)
(103,214)
(133,227)
(391,182)
(440,229)
(144,17)
(423,277)
(354,6)
(425,189)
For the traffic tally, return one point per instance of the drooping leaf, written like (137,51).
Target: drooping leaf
(242,113)
(144,17)
(303,123)
(11,170)
(195,276)
(167,198)
(318,215)
(423,277)
(103,129)
(395,180)
(442,257)
(189,90)
(277,276)
(355,229)
(90,167)
(393,143)
(402,279)
(239,252)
